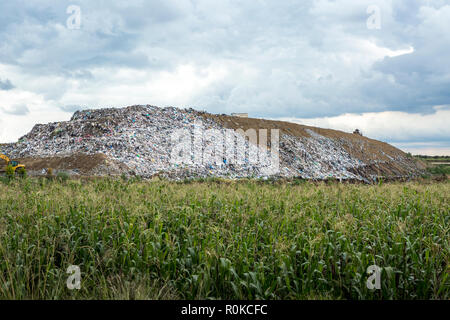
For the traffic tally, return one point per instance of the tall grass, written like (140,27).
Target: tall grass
(222,240)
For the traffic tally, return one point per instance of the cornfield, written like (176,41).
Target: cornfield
(223,239)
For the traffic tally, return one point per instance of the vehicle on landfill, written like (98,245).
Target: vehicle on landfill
(16,166)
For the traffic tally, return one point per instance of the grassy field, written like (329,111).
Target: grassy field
(436,165)
(228,240)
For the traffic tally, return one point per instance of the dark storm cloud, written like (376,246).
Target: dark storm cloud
(282,58)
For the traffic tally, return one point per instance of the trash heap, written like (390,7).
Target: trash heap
(317,157)
(140,140)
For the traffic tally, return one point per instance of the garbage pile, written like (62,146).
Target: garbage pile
(150,141)
(317,157)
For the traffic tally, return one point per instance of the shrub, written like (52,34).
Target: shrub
(10,173)
(440,169)
(63,176)
(21,172)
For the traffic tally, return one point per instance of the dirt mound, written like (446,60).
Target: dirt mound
(83,164)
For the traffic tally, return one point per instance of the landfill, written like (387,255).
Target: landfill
(145,140)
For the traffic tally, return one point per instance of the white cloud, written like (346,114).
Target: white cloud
(429,148)
(21,110)
(409,131)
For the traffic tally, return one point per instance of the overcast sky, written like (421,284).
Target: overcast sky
(382,66)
